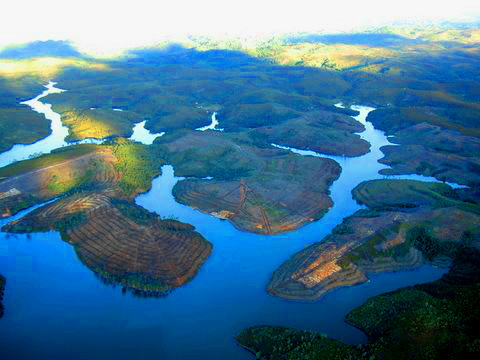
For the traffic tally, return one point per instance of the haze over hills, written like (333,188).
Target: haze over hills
(100,28)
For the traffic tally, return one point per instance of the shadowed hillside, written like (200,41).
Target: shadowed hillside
(50,48)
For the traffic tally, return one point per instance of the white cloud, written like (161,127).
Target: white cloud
(114,24)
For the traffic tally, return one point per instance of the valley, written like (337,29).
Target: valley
(201,191)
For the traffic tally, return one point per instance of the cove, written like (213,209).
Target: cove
(143,135)
(54,305)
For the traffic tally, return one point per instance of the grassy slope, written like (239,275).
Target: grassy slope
(128,167)
(56,157)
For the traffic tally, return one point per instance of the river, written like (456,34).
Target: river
(55,306)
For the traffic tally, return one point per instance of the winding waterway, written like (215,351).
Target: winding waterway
(53,141)
(56,306)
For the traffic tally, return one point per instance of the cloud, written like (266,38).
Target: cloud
(115,24)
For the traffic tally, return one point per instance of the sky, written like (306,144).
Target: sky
(108,25)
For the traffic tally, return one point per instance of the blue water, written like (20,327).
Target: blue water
(55,140)
(54,304)
(56,308)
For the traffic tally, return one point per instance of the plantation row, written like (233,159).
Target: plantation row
(117,245)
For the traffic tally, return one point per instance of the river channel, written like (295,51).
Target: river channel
(55,306)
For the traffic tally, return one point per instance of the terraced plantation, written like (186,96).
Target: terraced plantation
(252,214)
(404,220)
(432,320)
(115,238)
(122,242)
(260,190)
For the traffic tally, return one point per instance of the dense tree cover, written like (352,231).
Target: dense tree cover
(174,90)
(29,126)
(138,165)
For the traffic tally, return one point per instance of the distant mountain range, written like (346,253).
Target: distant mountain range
(50,48)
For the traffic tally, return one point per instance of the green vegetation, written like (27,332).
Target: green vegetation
(425,84)
(120,241)
(429,321)
(29,127)
(173,90)
(135,213)
(404,220)
(138,284)
(411,74)
(138,165)
(424,231)
(122,167)
(96,123)
(274,342)
(55,157)
(18,89)
(320,131)
(415,80)
(12,205)
(431,247)
(434,320)
(63,224)
(397,119)
(259,189)
(135,163)
(94,187)
(408,194)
